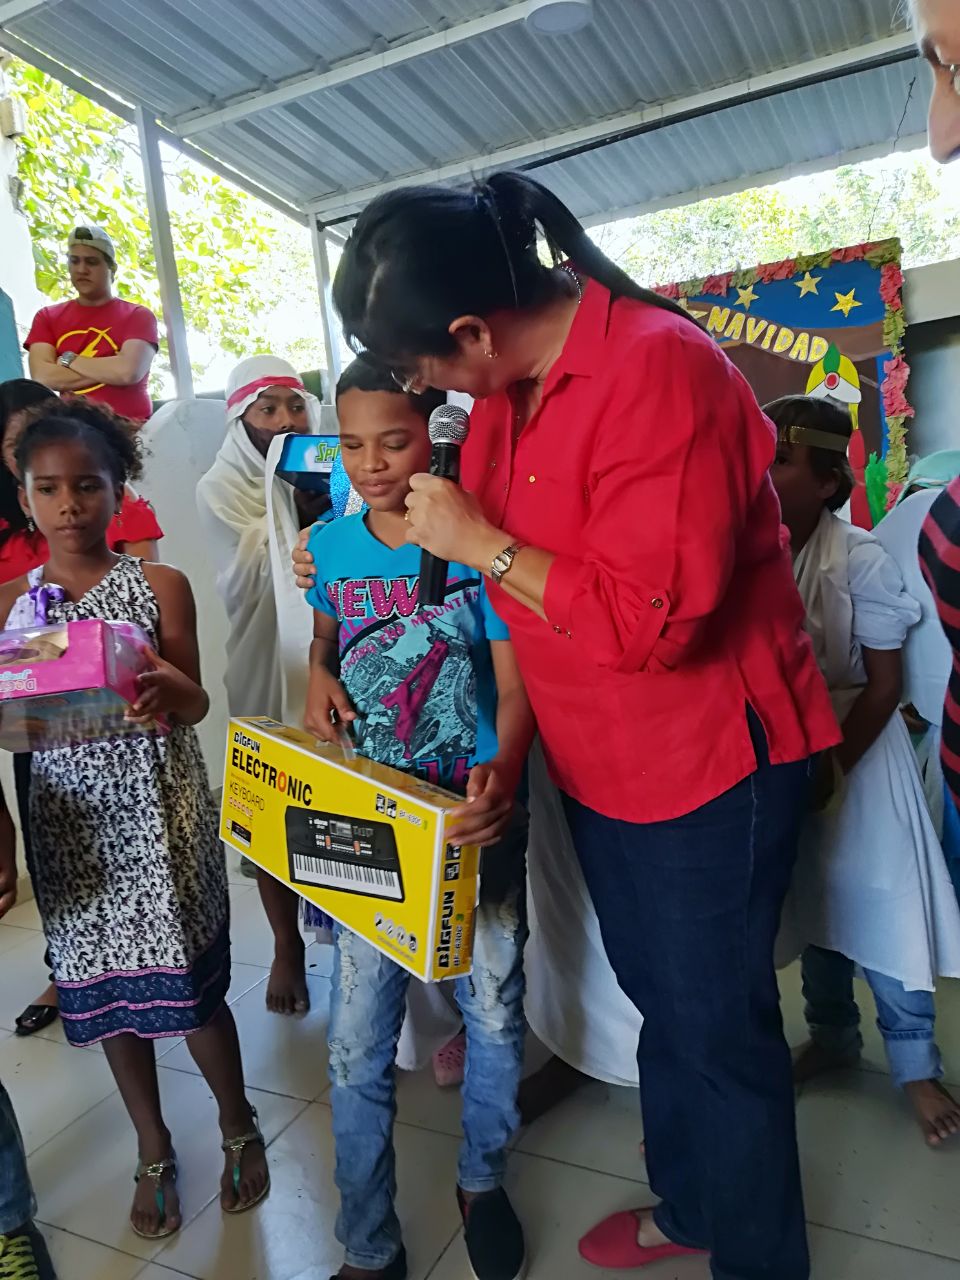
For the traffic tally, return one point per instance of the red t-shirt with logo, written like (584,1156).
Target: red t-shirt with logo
(100,331)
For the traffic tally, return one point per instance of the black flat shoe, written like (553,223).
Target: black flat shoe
(494,1236)
(397,1269)
(35,1018)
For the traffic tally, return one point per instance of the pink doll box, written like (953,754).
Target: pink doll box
(68,683)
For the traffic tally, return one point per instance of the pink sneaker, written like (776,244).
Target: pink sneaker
(448,1062)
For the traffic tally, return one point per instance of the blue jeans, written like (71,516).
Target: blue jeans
(17,1205)
(904,1018)
(366,1012)
(689,910)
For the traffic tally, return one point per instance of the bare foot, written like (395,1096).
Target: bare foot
(287,987)
(649,1235)
(156,1209)
(237,1194)
(938,1114)
(810,1060)
(546,1089)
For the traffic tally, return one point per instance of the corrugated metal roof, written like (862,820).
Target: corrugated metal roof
(797,127)
(503,88)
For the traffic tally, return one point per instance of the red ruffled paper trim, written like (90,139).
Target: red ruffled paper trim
(891,286)
(718,284)
(853,253)
(894,389)
(772,271)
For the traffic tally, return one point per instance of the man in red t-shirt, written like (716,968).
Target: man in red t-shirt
(95,345)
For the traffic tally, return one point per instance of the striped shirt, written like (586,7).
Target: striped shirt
(940,561)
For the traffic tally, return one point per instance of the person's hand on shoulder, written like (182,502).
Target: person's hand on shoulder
(304,567)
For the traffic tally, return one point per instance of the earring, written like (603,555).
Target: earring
(30,525)
(491,355)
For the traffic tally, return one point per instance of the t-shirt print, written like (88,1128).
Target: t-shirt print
(420,679)
(99,331)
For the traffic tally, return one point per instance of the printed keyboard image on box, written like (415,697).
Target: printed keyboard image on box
(331,851)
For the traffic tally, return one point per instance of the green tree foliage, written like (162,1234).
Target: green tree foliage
(79,162)
(905,197)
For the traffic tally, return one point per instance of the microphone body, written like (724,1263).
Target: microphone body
(448,430)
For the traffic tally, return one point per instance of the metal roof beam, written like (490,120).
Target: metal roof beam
(539,151)
(193,122)
(12,9)
(13,44)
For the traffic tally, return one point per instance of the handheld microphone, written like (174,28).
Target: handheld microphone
(449,425)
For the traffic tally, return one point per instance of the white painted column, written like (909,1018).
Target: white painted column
(331,338)
(163,254)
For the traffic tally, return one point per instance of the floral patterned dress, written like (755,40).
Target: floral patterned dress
(129,870)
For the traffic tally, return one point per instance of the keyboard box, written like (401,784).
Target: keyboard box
(69,682)
(363,842)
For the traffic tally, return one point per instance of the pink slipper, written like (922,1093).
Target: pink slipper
(613,1244)
(449,1062)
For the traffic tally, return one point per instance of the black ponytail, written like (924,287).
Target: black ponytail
(419,257)
(16,395)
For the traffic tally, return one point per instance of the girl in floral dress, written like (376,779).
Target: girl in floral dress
(130,878)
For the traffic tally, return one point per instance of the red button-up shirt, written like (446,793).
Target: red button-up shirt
(671,604)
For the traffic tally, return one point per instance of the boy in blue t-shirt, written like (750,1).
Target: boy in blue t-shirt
(434,691)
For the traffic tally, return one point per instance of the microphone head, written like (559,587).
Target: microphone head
(449,424)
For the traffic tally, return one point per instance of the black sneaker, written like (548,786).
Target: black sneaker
(397,1269)
(494,1236)
(24,1256)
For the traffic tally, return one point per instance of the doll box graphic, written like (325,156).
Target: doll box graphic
(363,842)
(68,683)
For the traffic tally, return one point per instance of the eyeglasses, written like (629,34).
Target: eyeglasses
(411,384)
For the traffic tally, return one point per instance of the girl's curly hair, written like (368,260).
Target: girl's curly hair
(115,440)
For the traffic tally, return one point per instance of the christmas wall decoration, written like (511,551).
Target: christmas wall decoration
(828,324)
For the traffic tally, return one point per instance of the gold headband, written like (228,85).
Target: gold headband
(813,439)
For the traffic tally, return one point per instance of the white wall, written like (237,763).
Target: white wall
(933,350)
(932,302)
(16,257)
(181,441)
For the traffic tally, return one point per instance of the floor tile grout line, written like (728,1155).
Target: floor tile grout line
(443,1253)
(256,1088)
(893,1244)
(31,1155)
(111,1248)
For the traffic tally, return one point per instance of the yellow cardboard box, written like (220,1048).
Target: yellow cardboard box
(363,842)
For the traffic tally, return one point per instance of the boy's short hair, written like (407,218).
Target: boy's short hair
(824,417)
(367,374)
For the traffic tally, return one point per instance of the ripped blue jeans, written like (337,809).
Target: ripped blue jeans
(366,1012)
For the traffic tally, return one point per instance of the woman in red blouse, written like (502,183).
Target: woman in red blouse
(134,530)
(616,496)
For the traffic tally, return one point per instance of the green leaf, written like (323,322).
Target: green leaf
(831,361)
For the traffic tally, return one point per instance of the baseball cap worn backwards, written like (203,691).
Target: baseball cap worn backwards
(92,237)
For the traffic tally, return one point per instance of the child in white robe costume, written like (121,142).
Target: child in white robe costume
(871,887)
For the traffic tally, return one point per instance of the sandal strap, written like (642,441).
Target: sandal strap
(154,1171)
(237,1145)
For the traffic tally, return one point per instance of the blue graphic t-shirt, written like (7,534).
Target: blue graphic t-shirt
(421,680)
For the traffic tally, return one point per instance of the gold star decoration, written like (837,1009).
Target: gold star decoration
(808,284)
(684,302)
(846,302)
(746,297)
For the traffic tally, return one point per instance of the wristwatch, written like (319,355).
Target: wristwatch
(503,563)
(67,358)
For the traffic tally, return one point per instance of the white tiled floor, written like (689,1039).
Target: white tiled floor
(881,1206)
